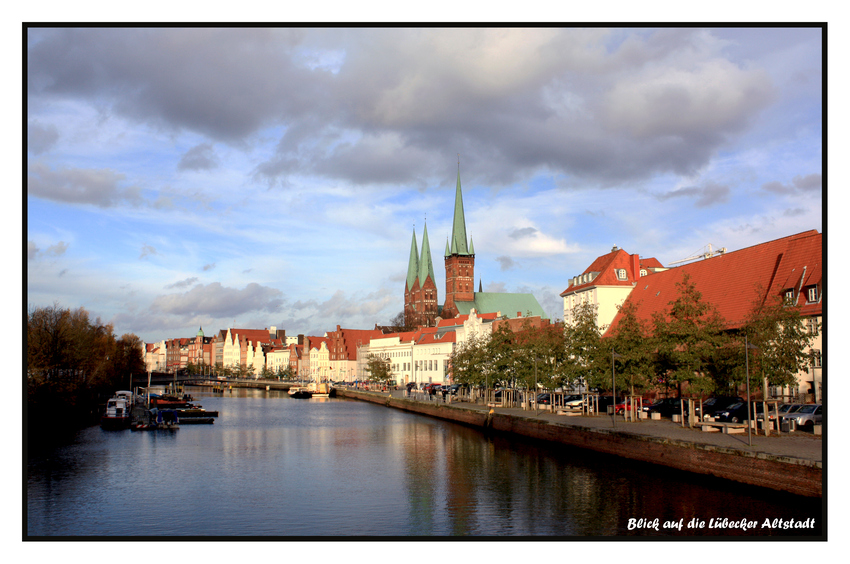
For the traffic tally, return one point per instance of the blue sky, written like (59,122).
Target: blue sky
(179,178)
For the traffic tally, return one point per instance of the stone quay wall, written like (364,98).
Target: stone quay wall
(797,476)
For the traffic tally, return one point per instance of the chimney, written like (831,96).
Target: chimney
(519,314)
(636,266)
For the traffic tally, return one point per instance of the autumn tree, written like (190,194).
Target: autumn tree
(469,361)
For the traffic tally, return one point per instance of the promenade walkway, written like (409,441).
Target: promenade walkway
(799,444)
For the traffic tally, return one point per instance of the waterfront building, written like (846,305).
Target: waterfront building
(343,347)
(790,267)
(155,357)
(606,283)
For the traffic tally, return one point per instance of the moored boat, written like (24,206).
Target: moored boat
(117,414)
(300,392)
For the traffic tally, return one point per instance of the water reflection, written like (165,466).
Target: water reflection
(274,466)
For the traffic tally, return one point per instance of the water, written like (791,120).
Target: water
(276,466)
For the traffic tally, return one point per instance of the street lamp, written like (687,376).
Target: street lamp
(614,387)
(747,347)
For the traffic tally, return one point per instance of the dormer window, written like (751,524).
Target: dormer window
(643,272)
(812,294)
(789,296)
(621,274)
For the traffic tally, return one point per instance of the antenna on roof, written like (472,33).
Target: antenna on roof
(706,255)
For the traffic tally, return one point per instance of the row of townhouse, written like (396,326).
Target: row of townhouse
(420,356)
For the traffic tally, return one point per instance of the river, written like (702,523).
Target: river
(273,466)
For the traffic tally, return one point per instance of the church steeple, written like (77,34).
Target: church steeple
(426,266)
(460,261)
(459,246)
(413,264)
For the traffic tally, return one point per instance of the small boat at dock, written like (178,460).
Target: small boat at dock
(117,414)
(300,392)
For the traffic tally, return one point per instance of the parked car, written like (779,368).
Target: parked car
(543,399)
(737,412)
(783,410)
(718,403)
(573,401)
(807,416)
(666,407)
(624,404)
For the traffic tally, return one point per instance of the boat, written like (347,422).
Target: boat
(153,419)
(300,392)
(165,401)
(320,390)
(117,414)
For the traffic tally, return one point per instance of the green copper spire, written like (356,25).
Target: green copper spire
(459,226)
(426,266)
(413,264)
(448,250)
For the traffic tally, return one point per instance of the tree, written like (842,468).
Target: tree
(468,361)
(779,332)
(73,364)
(399,324)
(689,337)
(585,359)
(379,369)
(630,339)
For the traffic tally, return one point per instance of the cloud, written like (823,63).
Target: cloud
(99,187)
(505,262)
(215,300)
(578,102)
(183,283)
(146,251)
(200,157)
(799,184)
(55,250)
(524,232)
(208,267)
(41,138)
(708,195)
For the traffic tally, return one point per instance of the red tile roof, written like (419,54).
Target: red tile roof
(606,268)
(731,281)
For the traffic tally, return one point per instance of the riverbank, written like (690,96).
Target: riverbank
(790,462)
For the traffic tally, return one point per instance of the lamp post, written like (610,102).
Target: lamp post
(747,347)
(614,387)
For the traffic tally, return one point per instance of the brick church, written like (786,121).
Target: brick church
(420,291)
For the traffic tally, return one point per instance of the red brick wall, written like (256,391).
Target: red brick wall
(764,471)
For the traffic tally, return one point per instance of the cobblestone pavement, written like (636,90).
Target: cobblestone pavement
(799,444)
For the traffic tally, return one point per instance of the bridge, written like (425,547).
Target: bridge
(170,379)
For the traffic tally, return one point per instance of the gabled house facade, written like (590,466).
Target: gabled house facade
(606,283)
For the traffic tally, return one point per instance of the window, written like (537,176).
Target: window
(816,358)
(621,273)
(789,296)
(812,324)
(643,272)
(813,294)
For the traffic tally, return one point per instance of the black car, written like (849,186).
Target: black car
(666,407)
(719,403)
(736,413)
(544,399)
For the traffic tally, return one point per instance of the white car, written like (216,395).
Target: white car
(807,416)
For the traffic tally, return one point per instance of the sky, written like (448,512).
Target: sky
(258,177)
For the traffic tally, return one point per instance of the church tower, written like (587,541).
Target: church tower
(460,261)
(420,290)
